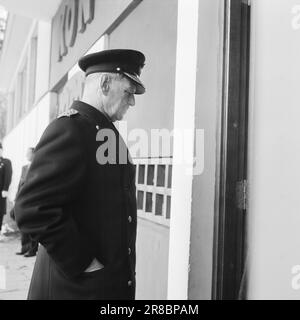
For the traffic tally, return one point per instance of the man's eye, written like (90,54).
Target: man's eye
(128,92)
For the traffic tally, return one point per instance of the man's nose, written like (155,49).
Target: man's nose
(132,100)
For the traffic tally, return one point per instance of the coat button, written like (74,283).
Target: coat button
(129,251)
(129,283)
(129,219)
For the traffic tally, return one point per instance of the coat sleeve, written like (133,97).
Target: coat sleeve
(7,175)
(54,180)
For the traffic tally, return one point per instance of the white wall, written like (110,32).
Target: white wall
(26,134)
(208,118)
(28,131)
(152,29)
(199,57)
(152,248)
(43,59)
(274,151)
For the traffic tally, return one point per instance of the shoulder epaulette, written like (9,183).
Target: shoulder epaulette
(69,113)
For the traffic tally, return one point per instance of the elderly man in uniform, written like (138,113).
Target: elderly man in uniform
(81,209)
(5,180)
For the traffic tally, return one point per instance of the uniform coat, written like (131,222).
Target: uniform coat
(79,210)
(5,180)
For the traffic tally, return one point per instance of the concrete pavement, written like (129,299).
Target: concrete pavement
(15,270)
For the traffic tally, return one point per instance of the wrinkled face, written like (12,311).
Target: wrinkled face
(119,98)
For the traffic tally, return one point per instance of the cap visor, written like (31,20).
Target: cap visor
(140,88)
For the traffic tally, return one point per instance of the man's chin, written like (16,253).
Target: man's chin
(117,118)
(121,116)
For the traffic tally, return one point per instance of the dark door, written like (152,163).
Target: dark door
(230,246)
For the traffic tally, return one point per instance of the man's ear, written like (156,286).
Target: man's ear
(105,83)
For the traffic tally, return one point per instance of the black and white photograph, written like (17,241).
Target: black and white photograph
(149,151)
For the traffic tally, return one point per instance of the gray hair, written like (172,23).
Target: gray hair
(97,76)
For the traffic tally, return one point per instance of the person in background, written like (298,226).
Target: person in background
(5,180)
(28,245)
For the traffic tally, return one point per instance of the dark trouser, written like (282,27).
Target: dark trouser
(28,245)
(2,209)
(1,219)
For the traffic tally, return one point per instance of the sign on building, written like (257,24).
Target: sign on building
(73,19)
(77,25)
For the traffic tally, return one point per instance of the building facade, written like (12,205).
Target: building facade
(47,80)
(205,230)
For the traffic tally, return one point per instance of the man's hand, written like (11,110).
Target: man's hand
(94,266)
(4,194)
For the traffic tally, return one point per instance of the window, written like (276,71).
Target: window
(153,183)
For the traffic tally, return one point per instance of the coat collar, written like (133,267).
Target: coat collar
(92,114)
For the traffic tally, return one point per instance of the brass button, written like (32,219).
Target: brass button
(129,251)
(129,283)
(129,219)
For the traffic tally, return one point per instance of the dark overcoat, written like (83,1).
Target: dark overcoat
(5,180)
(78,210)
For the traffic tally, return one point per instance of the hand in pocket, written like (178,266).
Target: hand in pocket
(94,266)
